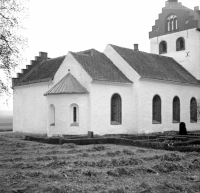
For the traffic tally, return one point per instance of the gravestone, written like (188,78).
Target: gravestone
(90,134)
(182,129)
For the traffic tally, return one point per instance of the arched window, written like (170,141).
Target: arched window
(171,23)
(193,110)
(156,109)
(180,44)
(175,24)
(163,47)
(116,110)
(74,113)
(52,115)
(176,110)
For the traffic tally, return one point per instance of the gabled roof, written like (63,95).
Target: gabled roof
(42,72)
(67,85)
(99,66)
(155,66)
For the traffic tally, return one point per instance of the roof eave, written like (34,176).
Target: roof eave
(46,80)
(66,93)
(169,81)
(109,82)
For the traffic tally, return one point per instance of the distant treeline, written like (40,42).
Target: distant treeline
(6,124)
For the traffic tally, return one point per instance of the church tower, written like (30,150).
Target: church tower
(176,34)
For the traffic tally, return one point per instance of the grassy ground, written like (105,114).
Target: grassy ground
(35,167)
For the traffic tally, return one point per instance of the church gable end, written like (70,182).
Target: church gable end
(99,67)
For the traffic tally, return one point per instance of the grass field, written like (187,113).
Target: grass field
(27,166)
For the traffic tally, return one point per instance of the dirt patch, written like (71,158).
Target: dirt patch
(167,167)
(98,148)
(105,163)
(68,145)
(195,164)
(143,150)
(171,157)
(113,153)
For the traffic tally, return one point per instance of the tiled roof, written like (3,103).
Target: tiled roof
(99,66)
(42,72)
(67,85)
(155,66)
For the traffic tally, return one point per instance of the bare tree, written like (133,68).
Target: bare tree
(12,13)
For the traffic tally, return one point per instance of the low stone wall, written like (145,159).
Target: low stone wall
(154,144)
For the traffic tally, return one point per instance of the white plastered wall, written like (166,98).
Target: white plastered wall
(76,70)
(192,47)
(63,116)
(167,91)
(132,75)
(70,63)
(101,108)
(29,108)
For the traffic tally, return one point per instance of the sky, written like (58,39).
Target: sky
(60,26)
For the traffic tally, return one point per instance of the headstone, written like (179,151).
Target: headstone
(90,134)
(182,129)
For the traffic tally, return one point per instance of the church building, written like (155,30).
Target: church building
(119,91)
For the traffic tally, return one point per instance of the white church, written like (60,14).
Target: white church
(119,91)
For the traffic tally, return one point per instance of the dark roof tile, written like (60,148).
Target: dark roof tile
(99,66)
(155,66)
(42,72)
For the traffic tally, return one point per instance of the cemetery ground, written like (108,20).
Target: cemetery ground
(27,166)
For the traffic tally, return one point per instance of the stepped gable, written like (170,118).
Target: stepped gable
(186,18)
(67,85)
(153,66)
(42,69)
(99,67)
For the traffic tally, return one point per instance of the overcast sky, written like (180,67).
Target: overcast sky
(60,26)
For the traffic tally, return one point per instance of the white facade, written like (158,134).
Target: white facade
(100,110)
(63,114)
(167,91)
(143,91)
(29,109)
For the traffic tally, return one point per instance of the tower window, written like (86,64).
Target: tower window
(163,47)
(180,44)
(171,23)
(116,110)
(156,109)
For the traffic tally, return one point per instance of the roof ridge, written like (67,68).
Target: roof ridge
(140,51)
(55,58)
(88,52)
